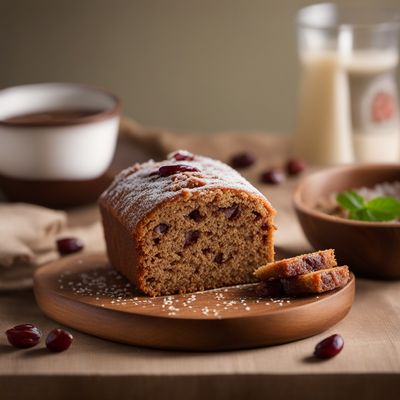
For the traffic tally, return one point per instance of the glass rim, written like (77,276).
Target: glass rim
(303,20)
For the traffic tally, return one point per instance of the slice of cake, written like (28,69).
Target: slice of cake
(317,282)
(310,283)
(299,265)
(186,224)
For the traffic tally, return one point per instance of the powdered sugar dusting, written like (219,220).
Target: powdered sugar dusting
(106,288)
(139,189)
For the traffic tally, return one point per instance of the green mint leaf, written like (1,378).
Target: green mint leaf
(350,200)
(385,205)
(371,215)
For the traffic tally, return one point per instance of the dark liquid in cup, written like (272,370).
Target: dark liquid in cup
(60,117)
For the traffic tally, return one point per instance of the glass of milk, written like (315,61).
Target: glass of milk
(348,106)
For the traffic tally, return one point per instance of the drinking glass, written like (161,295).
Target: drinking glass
(348,107)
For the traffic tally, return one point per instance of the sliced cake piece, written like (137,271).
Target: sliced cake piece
(299,265)
(312,282)
(317,282)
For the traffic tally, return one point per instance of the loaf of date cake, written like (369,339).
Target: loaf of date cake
(186,224)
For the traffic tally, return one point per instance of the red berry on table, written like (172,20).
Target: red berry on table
(295,166)
(329,347)
(272,176)
(242,160)
(69,245)
(58,340)
(24,336)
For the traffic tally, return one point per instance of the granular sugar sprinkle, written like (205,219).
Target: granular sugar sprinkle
(107,287)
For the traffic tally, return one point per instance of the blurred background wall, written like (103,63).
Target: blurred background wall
(201,65)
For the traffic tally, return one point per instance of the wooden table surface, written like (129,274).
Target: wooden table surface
(367,368)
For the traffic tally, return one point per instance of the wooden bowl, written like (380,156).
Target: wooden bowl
(371,249)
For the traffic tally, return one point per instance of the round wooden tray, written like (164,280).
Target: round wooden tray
(85,293)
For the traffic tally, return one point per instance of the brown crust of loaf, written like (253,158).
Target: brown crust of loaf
(317,282)
(122,248)
(298,265)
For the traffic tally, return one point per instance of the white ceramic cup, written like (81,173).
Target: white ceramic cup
(75,150)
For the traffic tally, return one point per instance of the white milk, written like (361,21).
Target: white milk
(324,129)
(348,108)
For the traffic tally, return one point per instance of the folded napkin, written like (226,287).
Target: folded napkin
(28,235)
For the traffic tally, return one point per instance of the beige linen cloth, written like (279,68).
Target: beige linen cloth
(28,233)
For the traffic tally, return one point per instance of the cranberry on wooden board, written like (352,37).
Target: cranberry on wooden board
(329,347)
(295,166)
(242,160)
(58,340)
(24,336)
(69,245)
(168,170)
(272,176)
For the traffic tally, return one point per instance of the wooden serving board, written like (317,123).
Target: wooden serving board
(85,293)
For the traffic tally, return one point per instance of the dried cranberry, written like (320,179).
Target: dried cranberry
(58,340)
(168,170)
(183,156)
(272,176)
(329,347)
(69,245)
(264,226)
(24,336)
(242,160)
(219,258)
(191,237)
(231,212)
(257,215)
(161,229)
(195,215)
(295,166)
(314,261)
